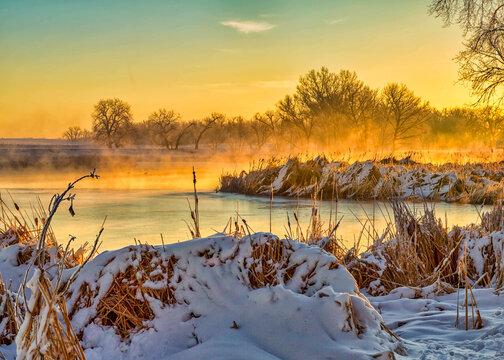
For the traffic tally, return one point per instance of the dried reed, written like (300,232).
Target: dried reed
(41,334)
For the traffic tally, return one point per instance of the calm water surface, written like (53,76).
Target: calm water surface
(145,214)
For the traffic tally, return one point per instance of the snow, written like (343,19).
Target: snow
(427,325)
(305,317)
(311,309)
(218,312)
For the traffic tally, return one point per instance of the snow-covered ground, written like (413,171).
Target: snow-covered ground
(258,297)
(427,325)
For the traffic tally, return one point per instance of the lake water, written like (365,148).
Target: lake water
(145,214)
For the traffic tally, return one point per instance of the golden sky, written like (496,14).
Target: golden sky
(58,58)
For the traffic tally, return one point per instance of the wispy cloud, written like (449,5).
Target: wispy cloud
(247,27)
(334,21)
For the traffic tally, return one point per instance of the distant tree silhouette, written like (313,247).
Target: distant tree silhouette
(489,124)
(451,127)
(75,133)
(405,113)
(164,123)
(221,133)
(359,104)
(317,100)
(238,130)
(327,103)
(264,127)
(292,114)
(205,125)
(183,129)
(111,121)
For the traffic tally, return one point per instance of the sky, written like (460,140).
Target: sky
(58,58)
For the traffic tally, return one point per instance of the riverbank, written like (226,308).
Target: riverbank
(372,179)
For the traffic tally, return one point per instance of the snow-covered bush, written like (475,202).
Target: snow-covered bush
(228,296)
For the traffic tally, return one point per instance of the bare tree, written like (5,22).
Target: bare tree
(183,129)
(489,124)
(482,60)
(164,122)
(319,92)
(76,133)
(263,127)
(221,132)
(270,119)
(319,100)
(359,104)
(291,112)
(328,101)
(111,120)
(73,134)
(205,125)
(238,131)
(403,112)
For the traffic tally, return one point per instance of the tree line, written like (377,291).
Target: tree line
(327,112)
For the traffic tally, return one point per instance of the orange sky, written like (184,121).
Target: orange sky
(58,58)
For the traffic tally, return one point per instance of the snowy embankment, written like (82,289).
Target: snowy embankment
(471,183)
(232,297)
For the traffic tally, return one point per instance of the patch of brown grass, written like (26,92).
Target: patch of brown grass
(268,258)
(125,306)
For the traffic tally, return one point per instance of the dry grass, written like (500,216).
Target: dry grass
(125,306)
(19,226)
(416,250)
(43,336)
(7,315)
(268,259)
(24,227)
(419,251)
(477,322)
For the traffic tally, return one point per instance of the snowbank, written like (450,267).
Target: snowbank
(223,297)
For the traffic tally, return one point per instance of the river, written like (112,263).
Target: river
(145,214)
